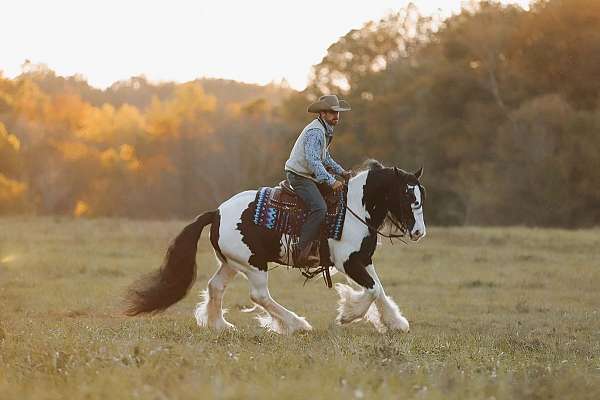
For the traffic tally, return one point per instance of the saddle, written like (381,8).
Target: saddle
(281,209)
(285,194)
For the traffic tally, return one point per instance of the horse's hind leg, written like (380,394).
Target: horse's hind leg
(209,311)
(278,319)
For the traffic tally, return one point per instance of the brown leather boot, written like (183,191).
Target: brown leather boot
(307,256)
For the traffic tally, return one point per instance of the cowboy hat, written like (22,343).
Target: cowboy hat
(329,102)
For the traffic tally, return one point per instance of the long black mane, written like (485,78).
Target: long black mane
(388,208)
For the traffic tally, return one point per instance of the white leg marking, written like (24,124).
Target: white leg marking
(277,318)
(384,312)
(209,311)
(354,304)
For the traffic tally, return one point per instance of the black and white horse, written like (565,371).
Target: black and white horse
(377,195)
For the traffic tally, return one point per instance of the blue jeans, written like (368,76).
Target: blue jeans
(317,208)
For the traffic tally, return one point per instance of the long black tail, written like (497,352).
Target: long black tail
(159,290)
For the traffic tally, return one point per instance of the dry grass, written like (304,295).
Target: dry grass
(495,313)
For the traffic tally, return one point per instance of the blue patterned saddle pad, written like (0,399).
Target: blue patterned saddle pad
(282,210)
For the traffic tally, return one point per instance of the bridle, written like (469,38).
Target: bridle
(400,226)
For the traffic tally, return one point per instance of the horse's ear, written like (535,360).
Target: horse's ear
(419,173)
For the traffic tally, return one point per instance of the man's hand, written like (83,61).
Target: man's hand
(347,174)
(337,186)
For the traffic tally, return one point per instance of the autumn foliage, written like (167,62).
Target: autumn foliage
(136,149)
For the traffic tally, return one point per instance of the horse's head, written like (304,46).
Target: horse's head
(396,196)
(405,202)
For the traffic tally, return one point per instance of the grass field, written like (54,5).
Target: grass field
(494,313)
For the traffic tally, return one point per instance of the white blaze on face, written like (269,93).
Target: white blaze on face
(418,231)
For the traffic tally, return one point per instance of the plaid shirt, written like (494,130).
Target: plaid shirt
(312,149)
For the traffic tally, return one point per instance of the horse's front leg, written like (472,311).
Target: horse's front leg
(354,304)
(384,312)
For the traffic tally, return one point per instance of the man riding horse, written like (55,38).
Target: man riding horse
(308,166)
(248,233)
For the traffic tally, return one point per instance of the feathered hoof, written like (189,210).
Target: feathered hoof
(222,325)
(218,324)
(299,324)
(400,324)
(352,305)
(391,319)
(204,319)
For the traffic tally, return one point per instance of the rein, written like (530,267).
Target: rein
(390,236)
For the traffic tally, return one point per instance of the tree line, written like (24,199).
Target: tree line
(498,103)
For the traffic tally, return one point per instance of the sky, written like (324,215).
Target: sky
(257,41)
